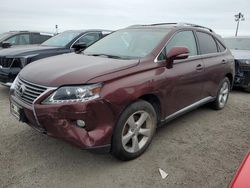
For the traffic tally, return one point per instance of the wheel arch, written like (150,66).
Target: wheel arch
(230,77)
(155,102)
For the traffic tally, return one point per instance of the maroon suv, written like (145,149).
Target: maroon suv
(114,94)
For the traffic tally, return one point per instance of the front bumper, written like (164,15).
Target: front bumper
(242,77)
(60,121)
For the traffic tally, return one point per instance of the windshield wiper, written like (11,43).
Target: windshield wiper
(106,55)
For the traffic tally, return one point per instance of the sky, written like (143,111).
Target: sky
(115,14)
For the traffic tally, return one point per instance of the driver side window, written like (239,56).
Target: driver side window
(20,39)
(181,39)
(88,39)
(13,40)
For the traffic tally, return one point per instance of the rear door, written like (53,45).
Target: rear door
(215,60)
(184,82)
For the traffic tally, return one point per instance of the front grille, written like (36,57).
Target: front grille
(28,92)
(6,62)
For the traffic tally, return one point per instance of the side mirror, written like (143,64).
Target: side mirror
(79,46)
(175,54)
(5,44)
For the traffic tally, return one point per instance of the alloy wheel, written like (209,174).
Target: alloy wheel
(137,131)
(224,93)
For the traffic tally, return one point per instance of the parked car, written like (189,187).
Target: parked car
(241,178)
(114,94)
(240,48)
(14,38)
(14,59)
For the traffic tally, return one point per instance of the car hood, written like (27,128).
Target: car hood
(241,54)
(25,50)
(72,69)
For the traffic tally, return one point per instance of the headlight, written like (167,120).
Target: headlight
(74,94)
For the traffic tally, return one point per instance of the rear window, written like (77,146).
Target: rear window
(207,43)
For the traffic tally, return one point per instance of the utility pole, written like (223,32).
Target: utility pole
(238,17)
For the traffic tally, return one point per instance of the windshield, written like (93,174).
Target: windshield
(127,44)
(62,39)
(3,36)
(238,43)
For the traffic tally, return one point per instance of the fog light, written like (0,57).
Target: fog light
(80,123)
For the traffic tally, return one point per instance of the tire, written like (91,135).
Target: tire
(222,95)
(134,131)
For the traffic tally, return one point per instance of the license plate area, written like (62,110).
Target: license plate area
(15,110)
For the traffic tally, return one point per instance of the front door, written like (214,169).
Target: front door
(184,82)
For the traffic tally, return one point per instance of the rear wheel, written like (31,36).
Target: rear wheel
(222,95)
(134,131)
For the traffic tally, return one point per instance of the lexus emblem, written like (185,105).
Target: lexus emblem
(21,89)
(248,62)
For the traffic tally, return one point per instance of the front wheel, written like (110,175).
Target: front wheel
(222,95)
(134,131)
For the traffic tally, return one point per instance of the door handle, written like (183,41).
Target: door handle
(199,67)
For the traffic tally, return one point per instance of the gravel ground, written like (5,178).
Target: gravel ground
(200,149)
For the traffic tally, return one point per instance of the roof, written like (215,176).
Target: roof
(87,30)
(52,34)
(80,31)
(41,32)
(171,25)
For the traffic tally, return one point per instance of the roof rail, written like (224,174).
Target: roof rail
(177,24)
(195,25)
(137,25)
(18,31)
(171,23)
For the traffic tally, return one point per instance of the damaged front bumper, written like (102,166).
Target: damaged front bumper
(242,77)
(60,121)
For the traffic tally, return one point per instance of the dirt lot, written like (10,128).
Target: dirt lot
(201,149)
